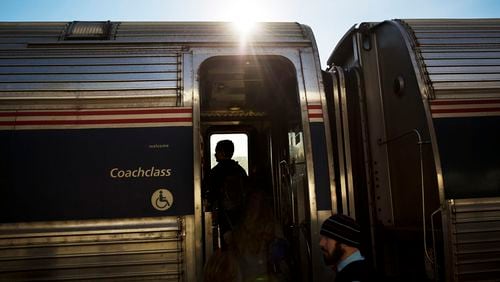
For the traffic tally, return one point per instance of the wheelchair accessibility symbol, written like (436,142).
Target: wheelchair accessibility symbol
(162,199)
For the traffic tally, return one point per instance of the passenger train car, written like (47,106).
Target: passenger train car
(106,130)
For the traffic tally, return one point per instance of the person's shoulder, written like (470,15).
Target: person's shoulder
(241,169)
(218,171)
(359,271)
(236,166)
(215,168)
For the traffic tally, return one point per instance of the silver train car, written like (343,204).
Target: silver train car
(106,130)
(417,106)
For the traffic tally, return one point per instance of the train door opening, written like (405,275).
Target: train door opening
(257,97)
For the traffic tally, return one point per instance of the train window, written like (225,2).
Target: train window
(240,141)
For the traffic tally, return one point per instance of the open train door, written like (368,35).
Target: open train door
(259,96)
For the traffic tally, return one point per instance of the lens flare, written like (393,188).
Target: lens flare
(243,17)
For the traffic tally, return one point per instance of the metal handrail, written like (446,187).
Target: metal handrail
(419,143)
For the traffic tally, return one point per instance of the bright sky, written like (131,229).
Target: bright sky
(240,141)
(329,19)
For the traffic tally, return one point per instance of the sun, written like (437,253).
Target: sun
(243,15)
(244,25)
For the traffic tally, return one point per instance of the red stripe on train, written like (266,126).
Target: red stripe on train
(93,112)
(466,110)
(91,122)
(315,115)
(314,107)
(464,102)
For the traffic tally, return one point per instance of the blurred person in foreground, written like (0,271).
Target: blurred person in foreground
(340,240)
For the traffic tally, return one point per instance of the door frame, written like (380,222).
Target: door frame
(303,61)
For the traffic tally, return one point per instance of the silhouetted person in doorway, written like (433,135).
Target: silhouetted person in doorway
(225,190)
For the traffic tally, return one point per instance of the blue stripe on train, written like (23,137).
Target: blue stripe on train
(94,173)
(469,149)
(321,178)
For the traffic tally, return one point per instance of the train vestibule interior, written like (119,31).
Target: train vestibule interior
(254,101)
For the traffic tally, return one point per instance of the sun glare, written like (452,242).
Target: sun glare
(244,25)
(244,15)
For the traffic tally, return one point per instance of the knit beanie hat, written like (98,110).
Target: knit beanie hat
(342,229)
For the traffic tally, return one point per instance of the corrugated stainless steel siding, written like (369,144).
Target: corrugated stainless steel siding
(475,231)
(460,57)
(209,32)
(142,59)
(32,32)
(151,32)
(138,249)
(41,66)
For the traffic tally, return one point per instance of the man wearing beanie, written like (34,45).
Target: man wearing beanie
(340,239)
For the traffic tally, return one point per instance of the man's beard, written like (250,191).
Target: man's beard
(333,258)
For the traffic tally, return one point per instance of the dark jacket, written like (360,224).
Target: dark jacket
(356,271)
(226,186)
